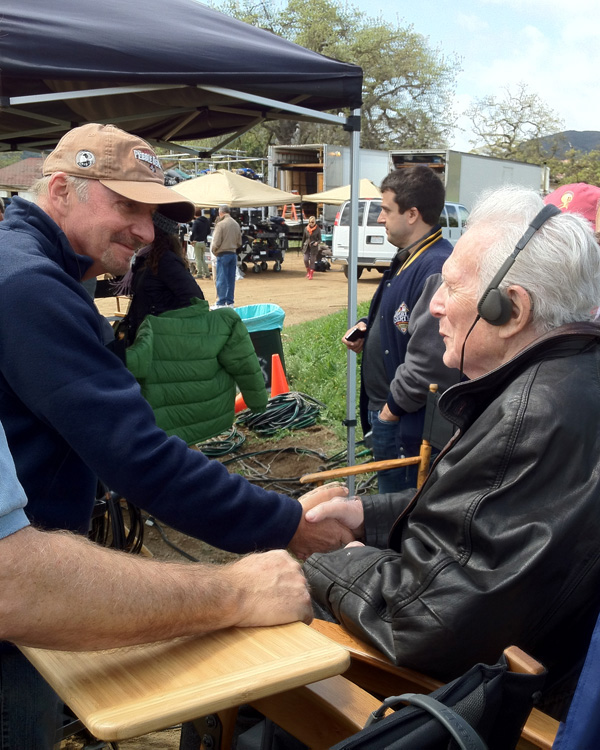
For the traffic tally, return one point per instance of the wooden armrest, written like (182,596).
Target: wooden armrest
(521,662)
(347,471)
(372,671)
(130,691)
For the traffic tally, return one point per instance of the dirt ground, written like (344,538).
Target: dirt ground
(301,300)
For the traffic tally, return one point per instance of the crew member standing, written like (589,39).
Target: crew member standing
(403,351)
(227,237)
(310,245)
(200,230)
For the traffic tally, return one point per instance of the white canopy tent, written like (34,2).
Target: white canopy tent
(224,187)
(337,196)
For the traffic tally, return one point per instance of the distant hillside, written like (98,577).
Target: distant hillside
(580,140)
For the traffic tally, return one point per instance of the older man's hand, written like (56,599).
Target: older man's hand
(320,535)
(347,511)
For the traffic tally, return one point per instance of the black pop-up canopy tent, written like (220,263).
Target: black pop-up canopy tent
(159,69)
(167,71)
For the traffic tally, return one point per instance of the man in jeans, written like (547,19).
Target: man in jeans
(402,350)
(227,237)
(200,230)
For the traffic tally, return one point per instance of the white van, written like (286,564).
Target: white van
(374,250)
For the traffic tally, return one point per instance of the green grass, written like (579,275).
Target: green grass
(315,361)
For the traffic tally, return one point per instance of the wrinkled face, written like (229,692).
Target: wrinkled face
(108,228)
(455,305)
(396,224)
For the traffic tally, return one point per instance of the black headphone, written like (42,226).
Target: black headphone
(495,306)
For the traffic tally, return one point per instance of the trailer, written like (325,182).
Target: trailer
(466,176)
(313,168)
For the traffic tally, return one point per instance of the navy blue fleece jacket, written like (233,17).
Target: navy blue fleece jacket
(72,411)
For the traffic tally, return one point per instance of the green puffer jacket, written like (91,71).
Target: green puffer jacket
(187,363)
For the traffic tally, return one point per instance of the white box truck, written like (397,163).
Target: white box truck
(466,176)
(313,168)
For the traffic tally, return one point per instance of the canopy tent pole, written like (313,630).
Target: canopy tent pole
(354,126)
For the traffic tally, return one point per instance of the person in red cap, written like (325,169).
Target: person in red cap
(578,198)
(72,413)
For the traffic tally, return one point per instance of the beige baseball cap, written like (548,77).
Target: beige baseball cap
(120,161)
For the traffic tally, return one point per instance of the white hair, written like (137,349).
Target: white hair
(80,185)
(560,265)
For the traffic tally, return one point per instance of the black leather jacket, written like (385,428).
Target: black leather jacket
(502,544)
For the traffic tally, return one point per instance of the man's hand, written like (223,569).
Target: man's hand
(386,415)
(347,511)
(355,346)
(319,536)
(270,589)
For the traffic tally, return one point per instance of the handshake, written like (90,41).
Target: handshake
(270,588)
(330,520)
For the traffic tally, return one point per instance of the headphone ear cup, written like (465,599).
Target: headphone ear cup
(495,307)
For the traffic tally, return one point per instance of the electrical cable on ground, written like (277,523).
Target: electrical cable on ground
(150,521)
(222,444)
(288,411)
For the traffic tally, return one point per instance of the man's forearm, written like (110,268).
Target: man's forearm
(60,591)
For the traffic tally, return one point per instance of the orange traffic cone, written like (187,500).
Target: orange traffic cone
(279,383)
(240,404)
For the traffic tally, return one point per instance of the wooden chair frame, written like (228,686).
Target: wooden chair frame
(339,706)
(422,461)
(326,712)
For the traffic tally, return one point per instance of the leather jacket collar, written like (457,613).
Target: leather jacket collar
(462,403)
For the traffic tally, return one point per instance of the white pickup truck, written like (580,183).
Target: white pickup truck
(374,250)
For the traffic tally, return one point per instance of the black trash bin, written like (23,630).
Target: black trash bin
(264,323)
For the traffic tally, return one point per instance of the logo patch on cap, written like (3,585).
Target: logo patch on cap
(85,159)
(565,200)
(149,158)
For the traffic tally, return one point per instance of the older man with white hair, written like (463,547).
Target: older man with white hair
(500,546)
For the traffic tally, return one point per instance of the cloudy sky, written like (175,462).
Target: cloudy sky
(551,45)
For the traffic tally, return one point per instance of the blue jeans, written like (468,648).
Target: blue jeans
(226,265)
(387,443)
(29,708)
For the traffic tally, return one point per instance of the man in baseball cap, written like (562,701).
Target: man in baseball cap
(102,186)
(120,161)
(578,198)
(73,413)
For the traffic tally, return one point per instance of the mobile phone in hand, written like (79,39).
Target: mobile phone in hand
(355,334)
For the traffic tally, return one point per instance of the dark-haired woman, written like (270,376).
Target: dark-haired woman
(160,278)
